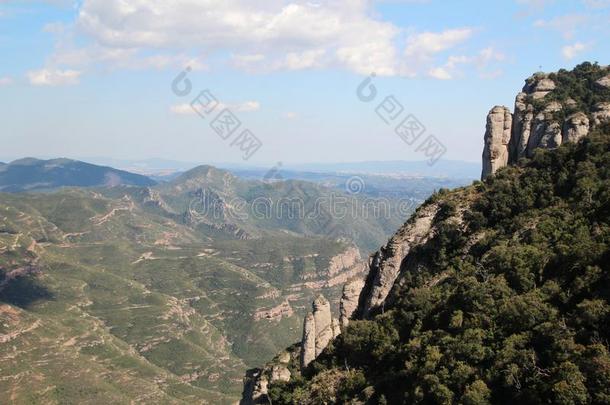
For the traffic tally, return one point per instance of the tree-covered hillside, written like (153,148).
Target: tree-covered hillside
(507,303)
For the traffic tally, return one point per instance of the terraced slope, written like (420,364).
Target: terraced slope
(118,295)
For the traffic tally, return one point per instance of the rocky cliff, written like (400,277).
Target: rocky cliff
(552,109)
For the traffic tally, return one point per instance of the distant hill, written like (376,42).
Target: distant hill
(443,168)
(212,199)
(35,174)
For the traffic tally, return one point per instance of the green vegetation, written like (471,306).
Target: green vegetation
(509,303)
(113,295)
(575,90)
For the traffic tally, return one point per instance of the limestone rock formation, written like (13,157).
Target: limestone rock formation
(575,127)
(531,130)
(308,343)
(256,381)
(280,372)
(601,113)
(256,387)
(335,327)
(319,328)
(349,301)
(604,82)
(497,138)
(539,85)
(343,261)
(276,313)
(323,320)
(538,122)
(386,266)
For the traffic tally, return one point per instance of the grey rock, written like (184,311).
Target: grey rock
(280,373)
(308,343)
(601,113)
(575,127)
(349,301)
(335,327)
(497,139)
(414,233)
(323,320)
(604,82)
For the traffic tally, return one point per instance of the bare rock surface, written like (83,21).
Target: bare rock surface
(308,343)
(349,301)
(323,320)
(385,270)
(497,138)
(575,127)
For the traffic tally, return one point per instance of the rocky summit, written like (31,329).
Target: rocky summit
(552,109)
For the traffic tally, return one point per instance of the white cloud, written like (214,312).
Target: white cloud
(258,36)
(566,25)
(291,115)
(53,77)
(480,62)
(440,73)
(182,109)
(5,81)
(430,43)
(571,51)
(289,35)
(246,106)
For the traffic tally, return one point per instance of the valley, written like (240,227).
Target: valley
(163,294)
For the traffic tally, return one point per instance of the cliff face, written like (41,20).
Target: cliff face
(547,113)
(387,262)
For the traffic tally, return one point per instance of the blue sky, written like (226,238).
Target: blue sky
(93,77)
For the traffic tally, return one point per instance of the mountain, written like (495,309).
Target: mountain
(397,185)
(492,293)
(168,293)
(221,204)
(33,174)
(550,110)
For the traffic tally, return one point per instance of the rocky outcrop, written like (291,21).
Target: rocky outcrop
(349,301)
(308,343)
(319,328)
(601,113)
(335,327)
(275,313)
(537,123)
(604,82)
(386,264)
(153,198)
(345,260)
(575,127)
(497,138)
(280,372)
(256,381)
(545,131)
(323,320)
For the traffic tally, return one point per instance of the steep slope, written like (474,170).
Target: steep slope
(34,174)
(493,293)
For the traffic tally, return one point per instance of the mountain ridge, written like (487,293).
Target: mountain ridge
(31,174)
(490,293)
